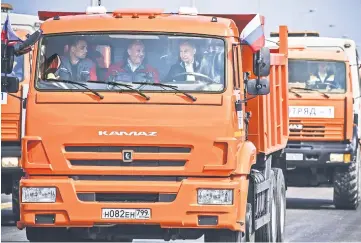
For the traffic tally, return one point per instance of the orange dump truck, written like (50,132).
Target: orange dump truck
(172,156)
(12,128)
(324,112)
(325,137)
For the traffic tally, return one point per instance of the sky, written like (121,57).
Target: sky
(333,18)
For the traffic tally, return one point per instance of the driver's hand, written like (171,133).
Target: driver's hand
(52,76)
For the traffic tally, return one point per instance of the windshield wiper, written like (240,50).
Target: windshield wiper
(77,83)
(167,86)
(308,89)
(122,85)
(294,92)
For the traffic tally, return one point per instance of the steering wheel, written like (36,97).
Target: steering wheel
(195,74)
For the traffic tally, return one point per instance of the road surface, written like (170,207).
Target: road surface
(311,217)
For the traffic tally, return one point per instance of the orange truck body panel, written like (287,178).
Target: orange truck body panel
(209,143)
(339,128)
(269,127)
(11,112)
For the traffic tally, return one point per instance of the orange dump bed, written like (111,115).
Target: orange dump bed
(268,128)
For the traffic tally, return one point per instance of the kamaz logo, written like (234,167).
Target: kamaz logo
(120,133)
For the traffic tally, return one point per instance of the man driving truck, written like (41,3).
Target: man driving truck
(187,63)
(324,74)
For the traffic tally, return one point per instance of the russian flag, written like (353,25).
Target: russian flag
(7,32)
(253,34)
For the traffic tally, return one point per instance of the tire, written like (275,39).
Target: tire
(223,235)
(280,195)
(268,233)
(15,199)
(250,235)
(45,234)
(346,185)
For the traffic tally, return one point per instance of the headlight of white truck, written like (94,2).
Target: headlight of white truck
(9,162)
(345,158)
(215,196)
(38,194)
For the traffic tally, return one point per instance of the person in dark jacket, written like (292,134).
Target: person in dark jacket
(187,63)
(76,66)
(133,69)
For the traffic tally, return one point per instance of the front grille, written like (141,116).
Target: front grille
(135,163)
(114,156)
(119,149)
(317,129)
(127,178)
(10,130)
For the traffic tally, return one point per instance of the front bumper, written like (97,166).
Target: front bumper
(182,212)
(315,154)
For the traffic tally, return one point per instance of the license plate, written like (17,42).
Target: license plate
(4,98)
(292,156)
(126,213)
(311,111)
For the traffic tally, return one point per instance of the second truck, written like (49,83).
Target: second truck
(325,116)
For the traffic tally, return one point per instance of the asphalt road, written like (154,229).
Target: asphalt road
(311,217)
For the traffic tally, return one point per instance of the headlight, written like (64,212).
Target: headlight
(38,194)
(215,196)
(9,162)
(345,158)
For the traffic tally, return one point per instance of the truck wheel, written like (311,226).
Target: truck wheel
(223,235)
(280,195)
(346,185)
(268,232)
(15,199)
(46,234)
(250,235)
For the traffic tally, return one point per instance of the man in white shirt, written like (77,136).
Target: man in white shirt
(323,76)
(187,63)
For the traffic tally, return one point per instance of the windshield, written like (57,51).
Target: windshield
(18,67)
(325,76)
(192,64)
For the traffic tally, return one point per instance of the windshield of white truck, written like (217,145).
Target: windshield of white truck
(325,76)
(192,64)
(18,67)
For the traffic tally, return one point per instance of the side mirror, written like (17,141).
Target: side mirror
(10,84)
(258,87)
(262,62)
(25,47)
(7,58)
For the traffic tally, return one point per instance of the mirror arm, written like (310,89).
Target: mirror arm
(245,80)
(259,62)
(16,97)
